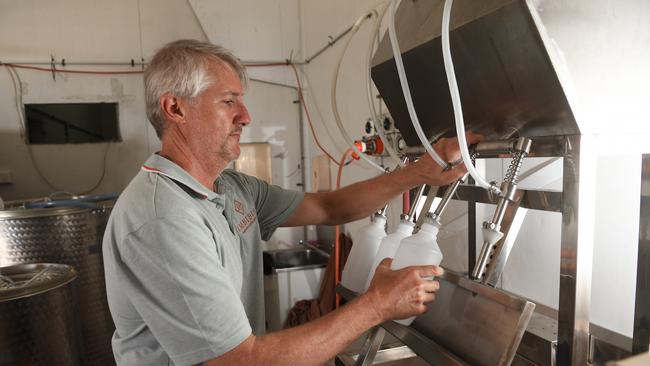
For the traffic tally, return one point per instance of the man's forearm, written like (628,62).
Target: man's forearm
(313,343)
(361,199)
(392,295)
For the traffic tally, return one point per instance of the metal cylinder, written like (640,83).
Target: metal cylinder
(494,148)
(71,236)
(38,317)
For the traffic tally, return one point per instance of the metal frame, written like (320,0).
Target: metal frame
(565,336)
(641,337)
(577,342)
(576,253)
(575,203)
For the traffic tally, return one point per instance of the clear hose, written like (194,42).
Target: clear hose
(455,98)
(405,87)
(371,103)
(335,109)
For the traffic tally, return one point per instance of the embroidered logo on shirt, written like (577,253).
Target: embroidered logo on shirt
(246,221)
(239,207)
(246,218)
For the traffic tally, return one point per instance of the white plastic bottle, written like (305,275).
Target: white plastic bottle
(389,244)
(363,253)
(417,250)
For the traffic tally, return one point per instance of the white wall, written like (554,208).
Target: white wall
(82,31)
(269,31)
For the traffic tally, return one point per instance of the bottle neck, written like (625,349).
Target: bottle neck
(379,221)
(406,226)
(429,228)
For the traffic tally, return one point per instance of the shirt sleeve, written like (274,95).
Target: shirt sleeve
(177,283)
(273,204)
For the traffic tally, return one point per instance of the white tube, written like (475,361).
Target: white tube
(405,87)
(373,112)
(455,98)
(335,109)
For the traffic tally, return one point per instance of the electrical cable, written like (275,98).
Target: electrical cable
(67,71)
(335,111)
(140,31)
(147,126)
(17,83)
(302,101)
(336,140)
(311,125)
(369,95)
(405,87)
(96,72)
(455,98)
(266,64)
(21,122)
(300,93)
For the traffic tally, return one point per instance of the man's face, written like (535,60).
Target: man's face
(217,115)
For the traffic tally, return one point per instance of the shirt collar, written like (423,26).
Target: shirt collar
(159,165)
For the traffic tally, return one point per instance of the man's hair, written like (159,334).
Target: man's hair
(180,68)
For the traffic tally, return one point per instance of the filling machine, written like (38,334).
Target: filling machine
(515,90)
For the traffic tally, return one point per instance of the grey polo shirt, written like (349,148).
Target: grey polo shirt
(184,264)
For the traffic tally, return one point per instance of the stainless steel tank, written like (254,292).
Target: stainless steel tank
(38,320)
(71,236)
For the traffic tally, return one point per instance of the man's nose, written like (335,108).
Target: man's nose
(243,117)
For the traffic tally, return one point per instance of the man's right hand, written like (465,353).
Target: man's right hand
(392,295)
(402,293)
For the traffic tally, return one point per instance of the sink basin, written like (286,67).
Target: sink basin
(293,259)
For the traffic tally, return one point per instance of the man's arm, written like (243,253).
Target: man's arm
(392,295)
(361,199)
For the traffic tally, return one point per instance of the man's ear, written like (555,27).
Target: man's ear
(172,108)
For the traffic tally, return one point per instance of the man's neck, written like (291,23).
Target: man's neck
(204,169)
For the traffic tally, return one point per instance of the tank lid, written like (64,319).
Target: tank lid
(57,204)
(24,280)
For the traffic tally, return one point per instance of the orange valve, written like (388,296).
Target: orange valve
(369,145)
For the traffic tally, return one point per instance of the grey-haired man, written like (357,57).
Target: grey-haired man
(182,247)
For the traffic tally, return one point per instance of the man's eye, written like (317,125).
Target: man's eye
(229,102)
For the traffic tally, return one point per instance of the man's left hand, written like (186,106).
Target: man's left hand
(448,149)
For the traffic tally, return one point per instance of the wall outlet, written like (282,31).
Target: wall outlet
(5,177)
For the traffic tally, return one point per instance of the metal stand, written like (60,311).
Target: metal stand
(576,203)
(565,337)
(641,337)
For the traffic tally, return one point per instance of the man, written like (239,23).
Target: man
(182,248)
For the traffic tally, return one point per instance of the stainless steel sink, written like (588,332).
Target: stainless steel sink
(293,259)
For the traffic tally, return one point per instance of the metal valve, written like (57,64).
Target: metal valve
(492,233)
(370,145)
